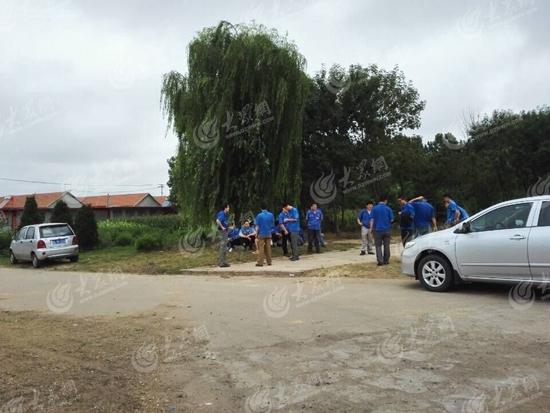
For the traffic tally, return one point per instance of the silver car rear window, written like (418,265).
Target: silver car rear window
(55,231)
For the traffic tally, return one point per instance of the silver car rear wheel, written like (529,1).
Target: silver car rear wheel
(35,261)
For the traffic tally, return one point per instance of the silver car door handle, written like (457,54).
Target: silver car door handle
(517,237)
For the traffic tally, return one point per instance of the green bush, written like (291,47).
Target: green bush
(5,239)
(168,228)
(86,228)
(165,223)
(123,239)
(148,242)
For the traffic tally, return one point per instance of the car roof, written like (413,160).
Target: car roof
(526,199)
(46,225)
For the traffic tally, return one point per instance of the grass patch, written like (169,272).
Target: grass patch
(126,259)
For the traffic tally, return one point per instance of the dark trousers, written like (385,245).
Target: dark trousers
(294,244)
(284,242)
(314,238)
(382,239)
(245,242)
(407,235)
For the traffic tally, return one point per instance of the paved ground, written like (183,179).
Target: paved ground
(282,266)
(306,344)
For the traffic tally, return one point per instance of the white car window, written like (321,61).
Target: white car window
(544,217)
(30,233)
(506,217)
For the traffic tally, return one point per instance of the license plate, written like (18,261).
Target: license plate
(59,241)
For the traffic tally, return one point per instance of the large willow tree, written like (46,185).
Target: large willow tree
(238,116)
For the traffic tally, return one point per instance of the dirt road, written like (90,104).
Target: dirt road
(113,342)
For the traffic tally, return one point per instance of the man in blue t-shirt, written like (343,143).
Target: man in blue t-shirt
(406,220)
(285,235)
(222,223)
(247,235)
(382,218)
(314,218)
(455,213)
(291,222)
(264,224)
(364,218)
(424,216)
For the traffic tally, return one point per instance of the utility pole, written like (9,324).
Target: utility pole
(161,186)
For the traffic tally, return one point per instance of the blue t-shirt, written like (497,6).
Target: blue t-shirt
(292,226)
(233,233)
(423,214)
(247,231)
(314,219)
(382,216)
(265,221)
(451,211)
(222,217)
(365,216)
(407,217)
(282,219)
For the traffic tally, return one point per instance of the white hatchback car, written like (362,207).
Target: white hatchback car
(508,242)
(37,243)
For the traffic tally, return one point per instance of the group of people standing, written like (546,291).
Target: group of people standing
(416,218)
(265,231)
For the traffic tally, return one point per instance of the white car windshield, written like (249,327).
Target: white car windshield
(55,231)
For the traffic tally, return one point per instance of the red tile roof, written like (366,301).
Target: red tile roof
(113,201)
(43,200)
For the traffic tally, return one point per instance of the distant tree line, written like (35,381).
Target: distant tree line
(340,137)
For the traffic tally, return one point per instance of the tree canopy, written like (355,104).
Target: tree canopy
(238,116)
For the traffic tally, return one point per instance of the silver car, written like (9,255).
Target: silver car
(37,243)
(508,242)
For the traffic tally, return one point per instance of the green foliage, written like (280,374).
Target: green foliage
(233,68)
(61,213)
(123,239)
(148,242)
(31,215)
(86,228)
(5,239)
(352,117)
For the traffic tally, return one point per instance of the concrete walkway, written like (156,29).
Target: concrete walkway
(282,266)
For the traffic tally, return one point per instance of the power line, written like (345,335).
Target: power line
(81,185)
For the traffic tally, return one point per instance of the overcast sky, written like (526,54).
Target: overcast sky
(80,80)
